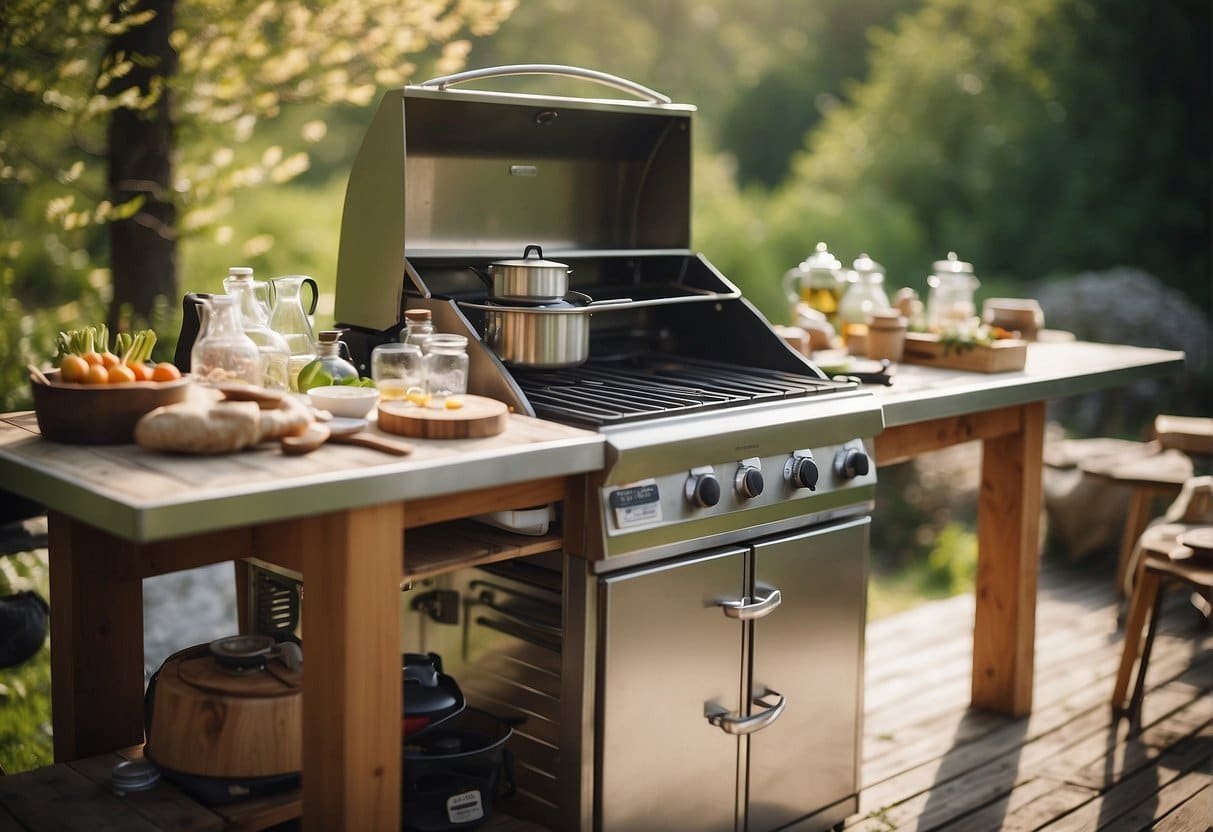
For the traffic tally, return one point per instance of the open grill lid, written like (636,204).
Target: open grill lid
(451,173)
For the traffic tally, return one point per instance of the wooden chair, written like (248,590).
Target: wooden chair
(1182,447)
(1177,550)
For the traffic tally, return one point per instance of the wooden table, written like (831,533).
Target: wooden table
(119,514)
(927,409)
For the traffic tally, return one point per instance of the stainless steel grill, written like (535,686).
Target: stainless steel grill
(705,673)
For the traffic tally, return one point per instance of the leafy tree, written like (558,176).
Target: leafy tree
(1039,137)
(138,117)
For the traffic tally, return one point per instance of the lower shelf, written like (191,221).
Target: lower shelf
(77,795)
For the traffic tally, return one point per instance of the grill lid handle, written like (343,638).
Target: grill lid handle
(607,80)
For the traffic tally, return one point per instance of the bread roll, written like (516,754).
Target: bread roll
(194,427)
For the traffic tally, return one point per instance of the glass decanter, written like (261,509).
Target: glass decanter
(275,353)
(223,353)
(328,367)
(864,295)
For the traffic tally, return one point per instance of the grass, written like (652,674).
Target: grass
(25,690)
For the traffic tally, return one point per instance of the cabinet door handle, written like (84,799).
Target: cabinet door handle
(737,724)
(749,608)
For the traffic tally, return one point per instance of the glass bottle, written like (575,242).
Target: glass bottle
(289,319)
(818,281)
(261,289)
(419,326)
(327,367)
(275,354)
(950,304)
(223,353)
(446,366)
(865,294)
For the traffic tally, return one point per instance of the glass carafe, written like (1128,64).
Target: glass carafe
(864,295)
(222,352)
(327,366)
(275,353)
(289,319)
(817,281)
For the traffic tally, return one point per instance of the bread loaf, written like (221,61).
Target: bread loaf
(194,427)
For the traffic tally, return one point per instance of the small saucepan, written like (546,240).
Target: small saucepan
(530,279)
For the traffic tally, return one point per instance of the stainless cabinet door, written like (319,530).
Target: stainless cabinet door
(810,650)
(668,651)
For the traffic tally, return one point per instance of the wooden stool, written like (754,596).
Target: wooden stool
(1153,474)
(1165,557)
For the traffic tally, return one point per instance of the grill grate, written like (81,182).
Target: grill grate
(602,395)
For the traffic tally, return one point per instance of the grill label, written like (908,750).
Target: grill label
(636,505)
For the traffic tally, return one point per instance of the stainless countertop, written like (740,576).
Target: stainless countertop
(144,496)
(1053,370)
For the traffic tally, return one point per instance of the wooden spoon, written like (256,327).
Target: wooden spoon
(344,431)
(37,375)
(317,434)
(354,432)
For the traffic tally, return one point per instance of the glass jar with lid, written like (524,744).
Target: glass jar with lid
(950,303)
(328,367)
(818,280)
(275,354)
(446,366)
(864,295)
(223,353)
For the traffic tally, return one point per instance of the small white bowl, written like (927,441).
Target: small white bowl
(344,400)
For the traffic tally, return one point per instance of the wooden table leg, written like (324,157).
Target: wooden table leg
(96,642)
(352,564)
(1008,527)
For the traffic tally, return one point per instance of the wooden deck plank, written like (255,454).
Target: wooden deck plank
(1190,816)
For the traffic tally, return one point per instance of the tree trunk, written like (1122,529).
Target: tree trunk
(143,247)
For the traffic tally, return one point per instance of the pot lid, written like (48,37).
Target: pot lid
(821,260)
(952,265)
(529,262)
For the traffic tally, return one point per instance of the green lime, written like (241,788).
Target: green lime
(312,375)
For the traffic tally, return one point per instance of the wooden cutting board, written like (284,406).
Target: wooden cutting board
(479,417)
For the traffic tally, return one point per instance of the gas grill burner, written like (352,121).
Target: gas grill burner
(604,393)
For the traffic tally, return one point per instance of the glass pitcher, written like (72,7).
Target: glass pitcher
(289,318)
(275,353)
(223,353)
(817,281)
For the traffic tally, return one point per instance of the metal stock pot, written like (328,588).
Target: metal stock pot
(531,278)
(541,335)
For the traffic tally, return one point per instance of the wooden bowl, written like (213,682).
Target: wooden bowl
(99,414)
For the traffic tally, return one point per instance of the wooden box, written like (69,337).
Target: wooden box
(999,356)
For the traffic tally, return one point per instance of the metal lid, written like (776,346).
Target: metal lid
(133,776)
(529,262)
(821,260)
(952,265)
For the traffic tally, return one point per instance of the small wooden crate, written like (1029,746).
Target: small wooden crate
(999,356)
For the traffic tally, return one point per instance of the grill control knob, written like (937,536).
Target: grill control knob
(748,482)
(851,462)
(703,490)
(802,472)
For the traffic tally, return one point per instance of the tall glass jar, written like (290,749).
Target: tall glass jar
(446,366)
(418,327)
(950,303)
(275,354)
(865,294)
(223,353)
(328,367)
(289,319)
